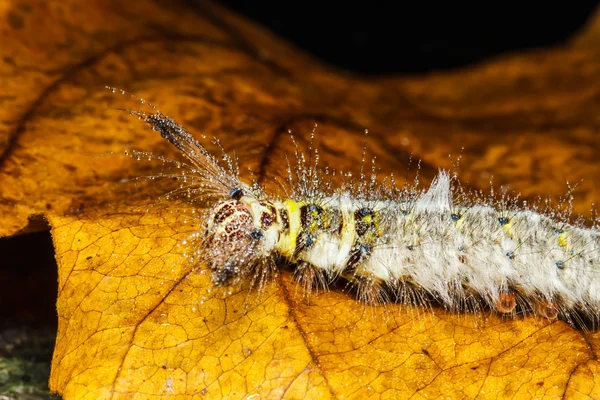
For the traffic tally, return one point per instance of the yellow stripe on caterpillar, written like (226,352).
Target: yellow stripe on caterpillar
(562,239)
(287,242)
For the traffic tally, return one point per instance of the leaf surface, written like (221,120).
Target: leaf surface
(136,321)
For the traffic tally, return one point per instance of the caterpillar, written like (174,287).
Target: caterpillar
(388,243)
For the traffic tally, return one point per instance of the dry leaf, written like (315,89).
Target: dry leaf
(136,321)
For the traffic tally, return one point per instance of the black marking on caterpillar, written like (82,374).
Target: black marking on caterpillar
(388,242)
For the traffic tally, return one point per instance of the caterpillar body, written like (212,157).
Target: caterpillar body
(390,244)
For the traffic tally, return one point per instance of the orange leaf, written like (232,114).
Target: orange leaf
(133,321)
(136,321)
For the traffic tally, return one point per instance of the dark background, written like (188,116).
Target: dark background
(415,37)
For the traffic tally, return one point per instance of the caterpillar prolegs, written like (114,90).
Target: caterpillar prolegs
(396,244)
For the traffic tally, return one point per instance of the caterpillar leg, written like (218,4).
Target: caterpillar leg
(546,309)
(310,278)
(506,303)
(369,290)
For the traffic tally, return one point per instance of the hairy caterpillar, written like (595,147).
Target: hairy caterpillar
(389,243)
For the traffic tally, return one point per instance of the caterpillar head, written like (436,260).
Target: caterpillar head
(237,241)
